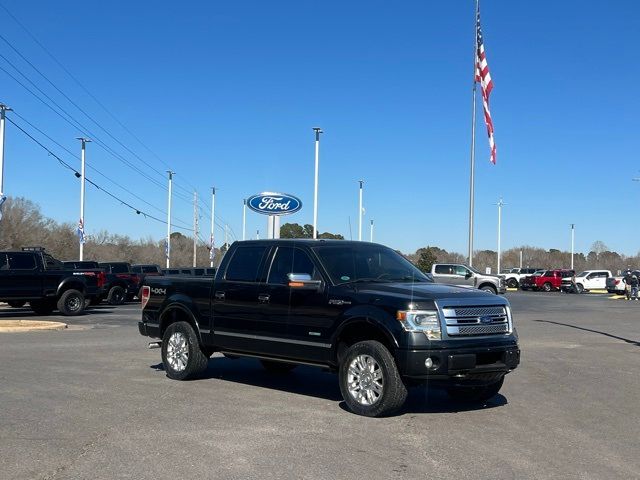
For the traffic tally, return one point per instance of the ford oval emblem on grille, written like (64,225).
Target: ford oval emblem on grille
(270,203)
(486,319)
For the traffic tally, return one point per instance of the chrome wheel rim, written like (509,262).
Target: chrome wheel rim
(365,381)
(177,352)
(73,303)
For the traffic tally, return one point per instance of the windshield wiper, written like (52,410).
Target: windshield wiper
(407,278)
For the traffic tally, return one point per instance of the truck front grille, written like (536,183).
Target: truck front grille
(481,320)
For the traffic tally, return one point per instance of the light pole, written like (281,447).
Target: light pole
(371,233)
(573,238)
(168,245)
(212,253)
(3,111)
(360,213)
(244,219)
(81,234)
(195,227)
(315,183)
(500,205)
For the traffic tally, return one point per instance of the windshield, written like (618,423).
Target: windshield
(370,263)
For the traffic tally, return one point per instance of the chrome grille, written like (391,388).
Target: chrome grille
(477,320)
(477,311)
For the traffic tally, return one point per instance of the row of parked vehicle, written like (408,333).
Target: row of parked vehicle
(565,280)
(33,276)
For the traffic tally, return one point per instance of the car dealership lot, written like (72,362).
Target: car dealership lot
(93,402)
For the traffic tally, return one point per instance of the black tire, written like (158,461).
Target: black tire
(116,296)
(392,391)
(524,289)
(41,307)
(277,367)
(547,287)
(579,288)
(475,394)
(512,283)
(489,288)
(181,354)
(71,303)
(16,303)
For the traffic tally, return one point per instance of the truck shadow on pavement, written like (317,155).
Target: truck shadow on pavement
(319,383)
(26,312)
(626,340)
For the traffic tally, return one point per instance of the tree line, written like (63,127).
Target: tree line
(23,224)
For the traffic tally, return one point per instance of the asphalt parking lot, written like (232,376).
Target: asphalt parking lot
(91,402)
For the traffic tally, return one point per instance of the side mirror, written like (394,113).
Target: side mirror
(468,275)
(303,281)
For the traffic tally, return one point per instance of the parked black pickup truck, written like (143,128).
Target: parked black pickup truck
(357,308)
(122,282)
(34,276)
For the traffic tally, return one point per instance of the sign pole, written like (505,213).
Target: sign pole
(315,184)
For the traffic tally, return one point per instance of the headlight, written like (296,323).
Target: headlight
(425,321)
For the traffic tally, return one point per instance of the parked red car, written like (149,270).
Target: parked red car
(551,279)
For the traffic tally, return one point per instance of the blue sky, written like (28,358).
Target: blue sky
(227,93)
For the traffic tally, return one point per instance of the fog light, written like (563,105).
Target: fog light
(428,362)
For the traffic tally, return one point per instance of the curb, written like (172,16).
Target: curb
(14,326)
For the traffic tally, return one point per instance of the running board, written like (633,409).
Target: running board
(274,359)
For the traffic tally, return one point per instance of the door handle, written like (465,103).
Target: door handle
(264,298)
(219,295)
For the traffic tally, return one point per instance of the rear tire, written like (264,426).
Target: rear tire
(369,380)
(116,295)
(16,303)
(181,354)
(277,367)
(475,394)
(71,303)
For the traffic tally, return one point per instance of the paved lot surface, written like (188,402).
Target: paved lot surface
(91,402)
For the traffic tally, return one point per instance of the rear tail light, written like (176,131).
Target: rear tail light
(102,278)
(146,294)
(617,282)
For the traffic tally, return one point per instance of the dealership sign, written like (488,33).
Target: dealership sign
(270,203)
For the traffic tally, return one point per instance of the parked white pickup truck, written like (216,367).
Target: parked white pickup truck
(513,276)
(588,280)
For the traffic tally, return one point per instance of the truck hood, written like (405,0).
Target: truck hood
(421,292)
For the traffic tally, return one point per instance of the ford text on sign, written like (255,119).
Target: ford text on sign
(270,203)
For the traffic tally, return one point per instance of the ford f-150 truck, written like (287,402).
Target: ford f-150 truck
(357,308)
(34,276)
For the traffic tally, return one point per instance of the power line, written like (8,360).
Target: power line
(107,192)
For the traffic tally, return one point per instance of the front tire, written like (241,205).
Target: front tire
(512,283)
(71,303)
(547,287)
(181,354)
(489,288)
(579,288)
(475,394)
(369,380)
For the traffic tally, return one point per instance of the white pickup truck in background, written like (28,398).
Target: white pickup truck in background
(512,276)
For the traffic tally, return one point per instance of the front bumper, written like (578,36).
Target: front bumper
(469,365)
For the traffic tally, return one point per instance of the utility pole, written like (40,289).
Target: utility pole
(244,219)
(81,230)
(360,213)
(195,227)
(573,238)
(520,259)
(168,244)
(500,205)
(3,111)
(257,234)
(212,253)
(315,184)
(371,233)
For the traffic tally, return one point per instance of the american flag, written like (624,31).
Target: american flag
(166,249)
(80,231)
(484,78)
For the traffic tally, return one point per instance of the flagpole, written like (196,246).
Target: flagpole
(473,138)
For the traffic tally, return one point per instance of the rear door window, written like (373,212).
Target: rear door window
(444,269)
(245,264)
(290,260)
(21,261)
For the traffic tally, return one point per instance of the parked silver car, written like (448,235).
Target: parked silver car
(466,276)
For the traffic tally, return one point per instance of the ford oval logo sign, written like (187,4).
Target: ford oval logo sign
(270,203)
(485,320)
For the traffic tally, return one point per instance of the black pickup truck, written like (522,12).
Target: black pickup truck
(32,275)
(357,308)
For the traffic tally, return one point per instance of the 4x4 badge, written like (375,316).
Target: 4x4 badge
(337,301)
